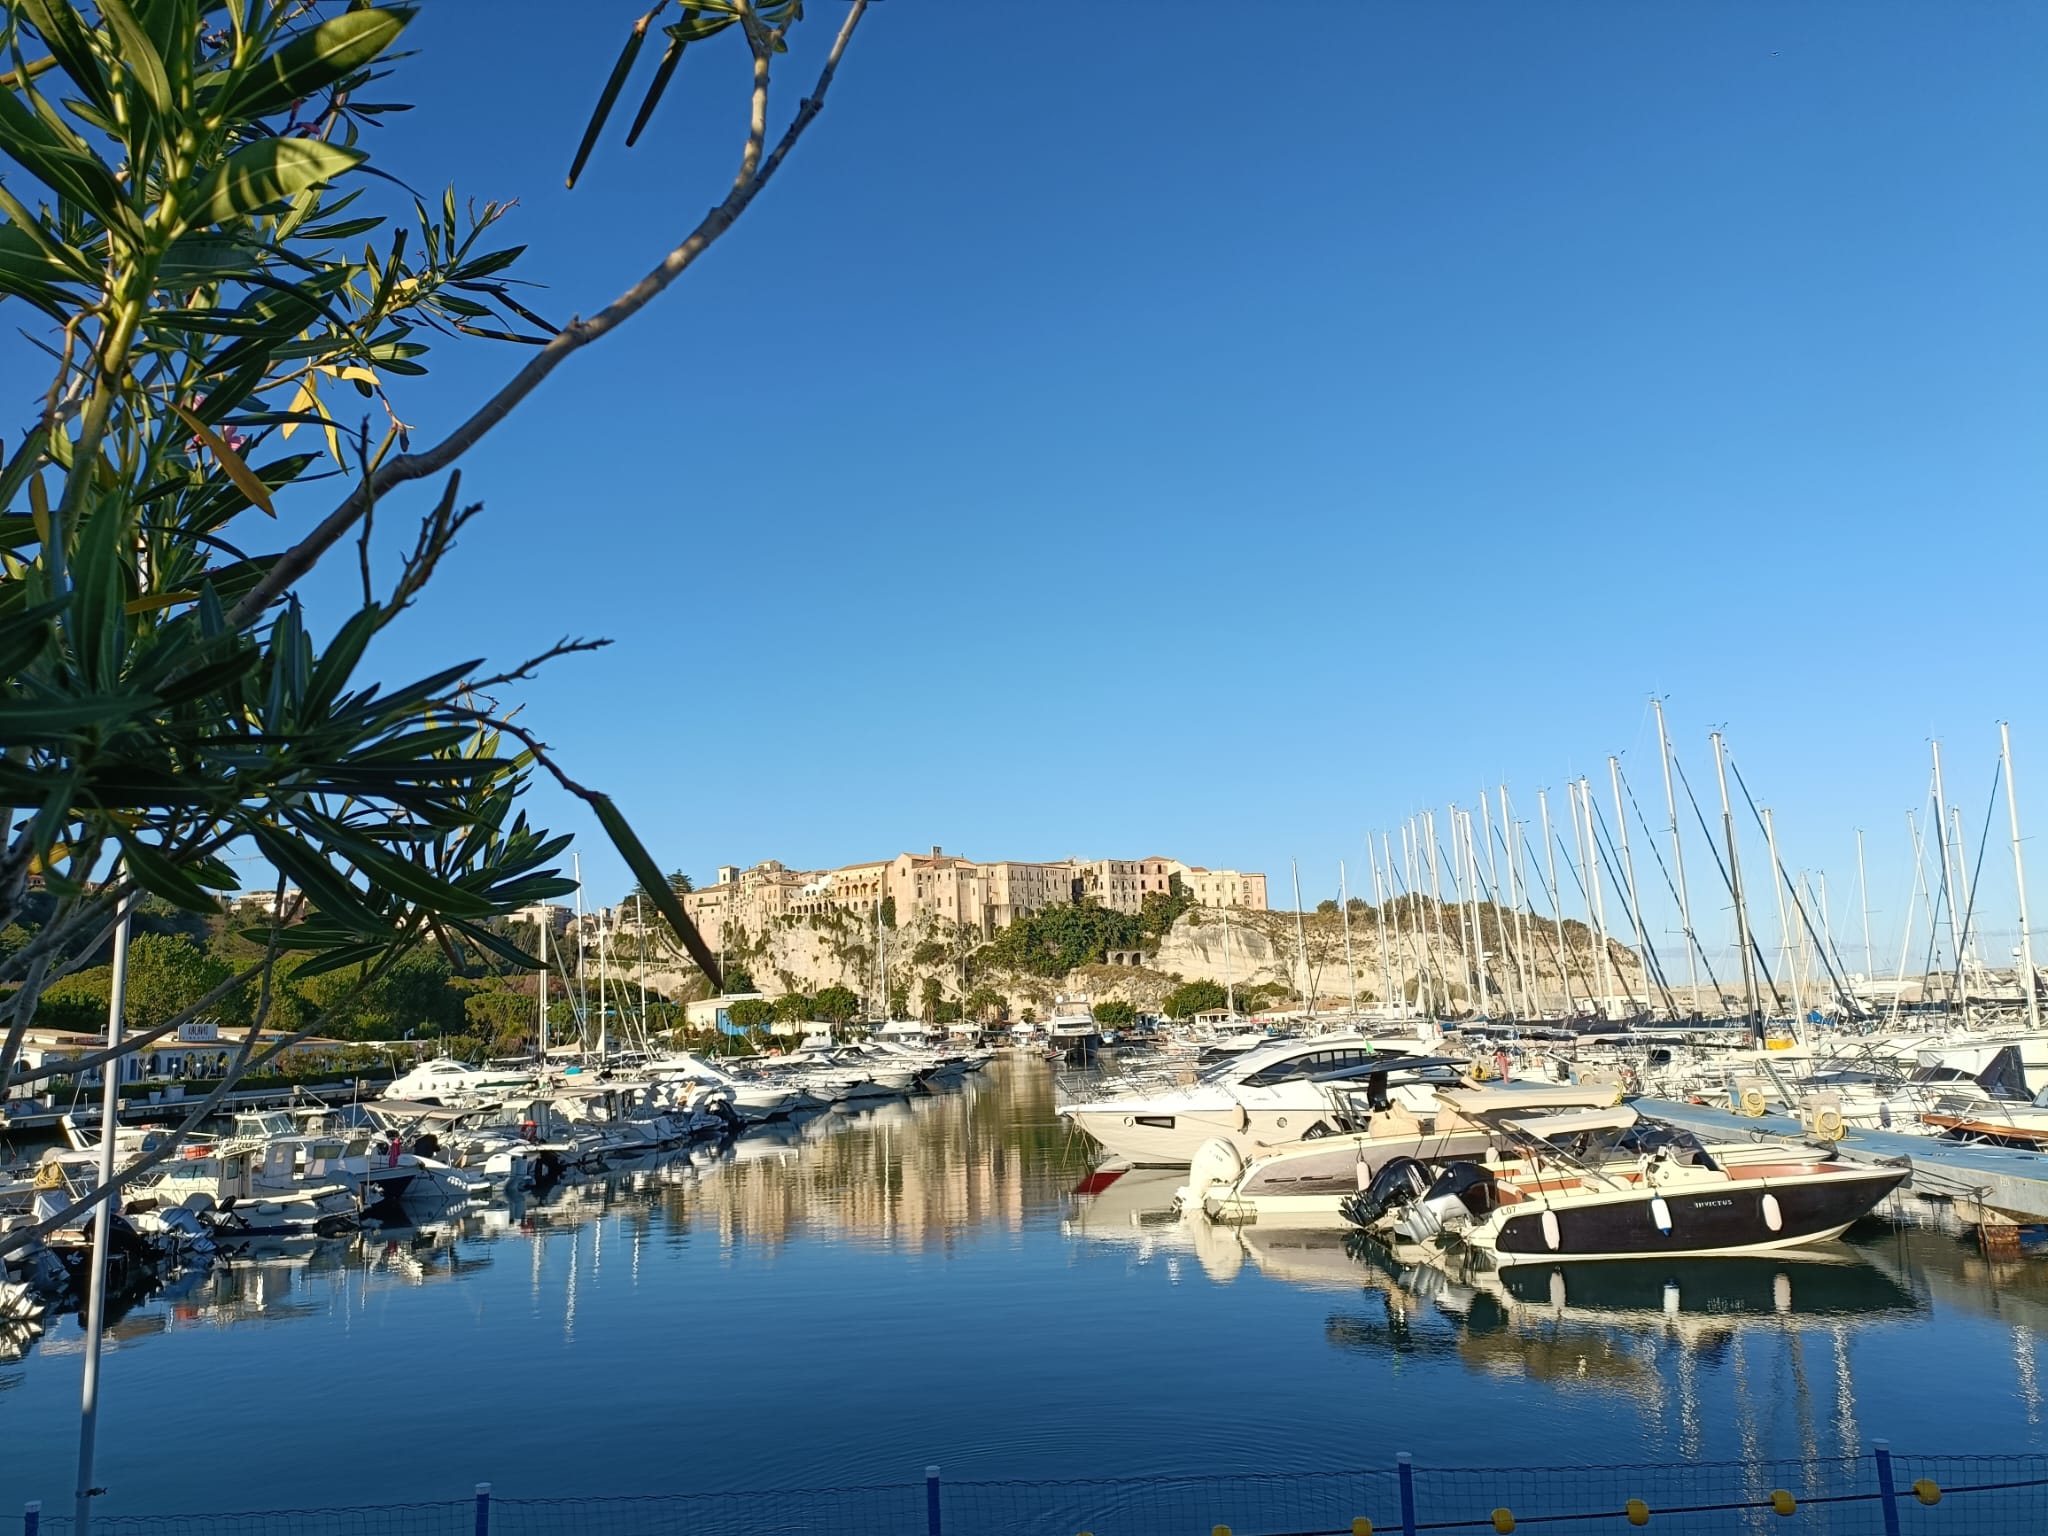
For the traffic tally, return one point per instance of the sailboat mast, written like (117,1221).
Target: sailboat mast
(1344,907)
(546,922)
(1692,944)
(604,976)
(640,937)
(1967,945)
(1749,991)
(1229,982)
(582,990)
(1628,870)
(1778,883)
(1564,968)
(1478,921)
(1511,834)
(1863,898)
(2019,875)
(1301,938)
(1436,890)
(1589,871)
(1500,928)
(1379,907)
(1948,887)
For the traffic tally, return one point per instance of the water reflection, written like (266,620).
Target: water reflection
(1198,1344)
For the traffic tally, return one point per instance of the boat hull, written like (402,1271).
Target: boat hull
(1702,1223)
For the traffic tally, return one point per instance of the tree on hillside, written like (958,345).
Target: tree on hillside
(985,1004)
(677,884)
(1191,998)
(188,206)
(794,1007)
(750,1013)
(1054,940)
(1115,1013)
(1161,909)
(836,1005)
(930,992)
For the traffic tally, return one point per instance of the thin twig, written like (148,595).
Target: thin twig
(525,670)
(295,562)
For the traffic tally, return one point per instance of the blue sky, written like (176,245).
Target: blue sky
(1222,431)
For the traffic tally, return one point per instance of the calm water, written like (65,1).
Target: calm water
(849,1300)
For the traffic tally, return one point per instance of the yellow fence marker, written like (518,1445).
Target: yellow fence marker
(1637,1511)
(1927,1491)
(1361,1527)
(1782,1501)
(1503,1520)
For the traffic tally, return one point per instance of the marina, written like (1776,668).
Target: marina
(960,1261)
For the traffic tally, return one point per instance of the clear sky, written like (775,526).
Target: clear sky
(1222,430)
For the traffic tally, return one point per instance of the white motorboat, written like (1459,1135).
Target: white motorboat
(1257,1099)
(754,1098)
(1072,1030)
(445,1080)
(1310,1180)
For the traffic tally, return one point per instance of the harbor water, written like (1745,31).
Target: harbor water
(940,1280)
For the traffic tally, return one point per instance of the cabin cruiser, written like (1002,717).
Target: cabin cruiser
(445,1080)
(1257,1099)
(247,1187)
(1072,1030)
(1311,1179)
(1630,1189)
(820,1068)
(754,1098)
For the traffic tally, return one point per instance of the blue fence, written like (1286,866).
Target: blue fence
(1879,1494)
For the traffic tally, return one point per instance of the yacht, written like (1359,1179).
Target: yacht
(1256,1099)
(445,1080)
(1312,1179)
(1072,1030)
(1674,1200)
(754,1098)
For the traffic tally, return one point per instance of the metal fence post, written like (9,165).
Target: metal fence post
(31,1517)
(483,1509)
(1887,1490)
(1405,1465)
(931,1501)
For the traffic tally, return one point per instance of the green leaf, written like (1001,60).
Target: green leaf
(159,876)
(69,42)
(71,172)
(650,875)
(309,870)
(25,722)
(266,172)
(608,98)
(663,73)
(138,54)
(313,60)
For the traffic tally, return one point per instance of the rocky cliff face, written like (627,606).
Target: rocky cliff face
(1258,952)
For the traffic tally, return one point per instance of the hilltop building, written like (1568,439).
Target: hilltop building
(962,891)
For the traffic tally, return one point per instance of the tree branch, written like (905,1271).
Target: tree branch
(753,175)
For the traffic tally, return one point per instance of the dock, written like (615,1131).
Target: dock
(1986,1185)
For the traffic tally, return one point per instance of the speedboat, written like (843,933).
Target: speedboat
(1672,1199)
(1261,1098)
(1311,1179)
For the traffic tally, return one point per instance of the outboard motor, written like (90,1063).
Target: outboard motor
(1399,1181)
(1216,1168)
(1461,1193)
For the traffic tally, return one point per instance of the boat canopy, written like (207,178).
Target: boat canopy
(1574,1122)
